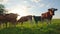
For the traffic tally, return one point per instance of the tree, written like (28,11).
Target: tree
(2,9)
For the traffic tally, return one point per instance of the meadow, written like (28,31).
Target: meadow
(32,28)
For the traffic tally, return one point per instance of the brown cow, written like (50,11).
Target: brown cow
(48,15)
(11,18)
(25,18)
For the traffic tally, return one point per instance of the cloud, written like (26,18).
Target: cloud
(41,5)
(25,1)
(3,1)
(47,5)
(36,1)
(19,9)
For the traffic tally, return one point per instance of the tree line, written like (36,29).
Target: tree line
(2,9)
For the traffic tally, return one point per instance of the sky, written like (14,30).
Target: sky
(31,7)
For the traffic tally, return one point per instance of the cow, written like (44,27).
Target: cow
(37,18)
(48,15)
(45,16)
(11,18)
(25,18)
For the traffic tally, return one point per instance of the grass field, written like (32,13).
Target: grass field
(28,28)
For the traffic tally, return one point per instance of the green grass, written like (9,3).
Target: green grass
(28,28)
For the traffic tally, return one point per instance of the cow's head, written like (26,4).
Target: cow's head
(52,10)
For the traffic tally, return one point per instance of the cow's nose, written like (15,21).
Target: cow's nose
(53,14)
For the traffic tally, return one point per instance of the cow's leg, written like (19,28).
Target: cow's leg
(36,22)
(21,23)
(14,24)
(0,24)
(5,24)
(31,22)
(49,21)
(42,20)
(10,24)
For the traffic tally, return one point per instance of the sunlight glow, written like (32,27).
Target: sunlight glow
(20,10)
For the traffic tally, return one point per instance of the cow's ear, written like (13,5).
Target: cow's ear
(49,9)
(56,9)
